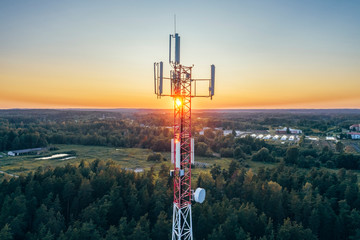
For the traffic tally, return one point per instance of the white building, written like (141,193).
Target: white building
(283,138)
(11,153)
(312,138)
(240,133)
(26,151)
(260,136)
(291,138)
(295,131)
(276,137)
(330,139)
(291,130)
(237,132)
(354,135)
(267,137)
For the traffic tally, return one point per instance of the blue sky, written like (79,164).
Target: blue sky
(268,54)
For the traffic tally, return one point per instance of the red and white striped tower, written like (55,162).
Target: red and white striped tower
(181,86)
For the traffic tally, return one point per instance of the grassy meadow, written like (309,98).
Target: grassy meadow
(130,158)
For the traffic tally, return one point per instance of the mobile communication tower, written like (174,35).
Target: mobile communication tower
(182,89)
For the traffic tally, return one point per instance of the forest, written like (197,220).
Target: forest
(28,128)
(150,130)
(21,129)
(305,192)
(99,200)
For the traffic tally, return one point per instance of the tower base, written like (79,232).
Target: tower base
(182,223)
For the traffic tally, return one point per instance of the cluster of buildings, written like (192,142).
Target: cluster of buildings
(225,132)
(354,131)
(282,134)
(276,137)
(285,134)
(286,130)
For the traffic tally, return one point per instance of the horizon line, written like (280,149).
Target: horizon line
(129,108)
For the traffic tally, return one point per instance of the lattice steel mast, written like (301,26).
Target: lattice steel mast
(182,90)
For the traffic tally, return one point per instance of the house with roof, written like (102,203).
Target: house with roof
(26,151)
(354,135)
(355,127)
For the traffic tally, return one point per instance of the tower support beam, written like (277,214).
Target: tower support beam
(182,223)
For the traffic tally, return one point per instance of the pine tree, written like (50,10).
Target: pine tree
(162,227)
(5,233)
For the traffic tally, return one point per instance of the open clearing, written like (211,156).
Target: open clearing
(130,158)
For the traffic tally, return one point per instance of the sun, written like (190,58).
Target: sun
(178,102)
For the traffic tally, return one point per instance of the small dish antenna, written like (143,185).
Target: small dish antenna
(199,195)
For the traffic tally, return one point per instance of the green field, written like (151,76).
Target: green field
(130,158)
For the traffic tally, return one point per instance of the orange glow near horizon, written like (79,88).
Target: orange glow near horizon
(250,90)
(44,85)
(72,95)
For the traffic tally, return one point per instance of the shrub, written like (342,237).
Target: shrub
(155,157)
(263,155)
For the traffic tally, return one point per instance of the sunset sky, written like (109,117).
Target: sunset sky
(100,54)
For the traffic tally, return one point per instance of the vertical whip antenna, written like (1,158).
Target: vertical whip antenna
(174,24)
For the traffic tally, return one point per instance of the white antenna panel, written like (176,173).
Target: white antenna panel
(192,151)
(161,78)
(172,151)
(212,83)
(170,36)
(177,48)
(177,154)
